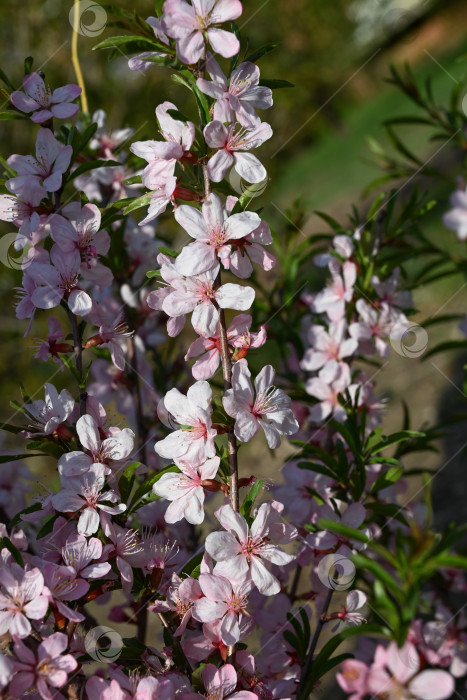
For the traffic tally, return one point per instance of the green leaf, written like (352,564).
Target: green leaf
(387,479)
(342,529)
(192,566)
(135,179)
(139,202)
(442,347)
(366,564)
(87,136)
(175,114)
(30,509)
(153,273)
(256,55)
(126,481)
(6,542)
(47,526)
(320,663)
(245,199)
(92,165)
(11,115)
(4,459)
(4,79)
(168,251)
(119,41)
(248,501)
(388,440)
(146,487)
(275,84)
(28,65)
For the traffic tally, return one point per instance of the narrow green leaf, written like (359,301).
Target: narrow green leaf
(16,554)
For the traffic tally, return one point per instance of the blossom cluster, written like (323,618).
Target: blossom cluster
(204,559)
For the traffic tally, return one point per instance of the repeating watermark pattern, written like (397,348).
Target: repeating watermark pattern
(410,340)
(11,255)
(103,644)
(336,571)
(89,19)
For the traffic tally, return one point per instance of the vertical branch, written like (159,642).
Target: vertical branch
(75,58)
(78,349)
(232,440)
(224,349)
(306,668)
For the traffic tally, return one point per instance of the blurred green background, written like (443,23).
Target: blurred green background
(336,54)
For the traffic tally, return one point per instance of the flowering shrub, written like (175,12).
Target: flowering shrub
(235,588)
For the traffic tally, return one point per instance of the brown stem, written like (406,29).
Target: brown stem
(78,349)
(227,373)
(295,582)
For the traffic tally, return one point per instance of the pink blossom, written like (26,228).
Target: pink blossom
(194,443)
(354,601)
(353,678)
(22,598)
(21,211)
(59,280)
(241,551)
(297,491)
(353,516)
(44,103)
(239,338)
(162,192)
(111,452)
(142,247)
(397,673)
(199,647)
(128,552)
(83,236)
(44,170)
(185,490)
(238,97)
(7,670)
(222,601)
(122,687)
(270,410)
(180,599)
(333,298)
(63,584)
(374,324)
(389,290)
(233,150)
(326,388)
(220,683)
(49,347)
(162,156)
(456,218)
(250,249)
(143,60)
(45,669)
(196,294)
(50,413)
(85,495)
(213,230)
(84,556)
(189,24)
(343,245)
(328,347)
(106,142)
